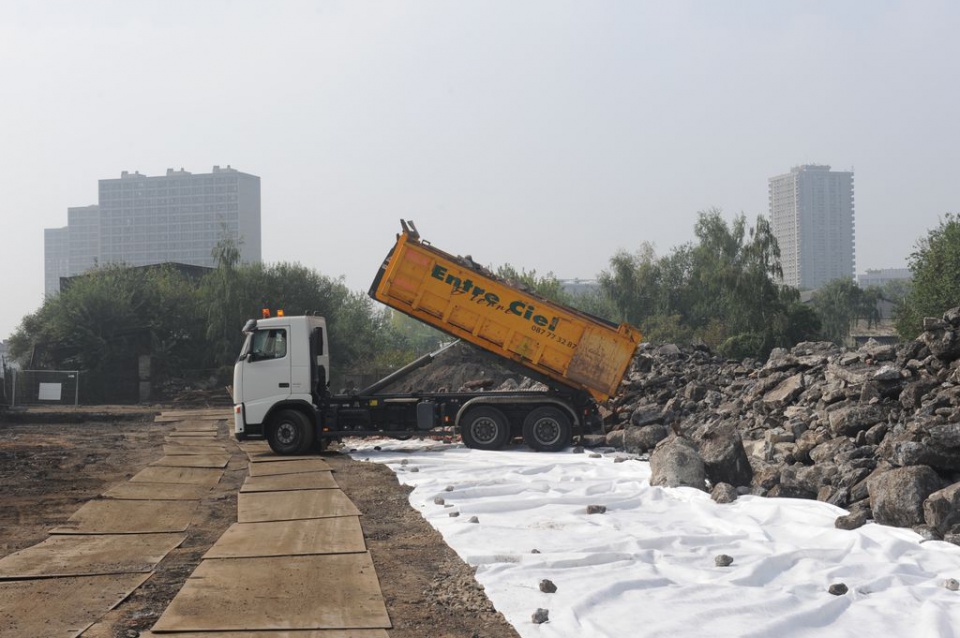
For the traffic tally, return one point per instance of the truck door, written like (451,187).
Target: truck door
(266,372)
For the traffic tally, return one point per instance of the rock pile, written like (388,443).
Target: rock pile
(874,430)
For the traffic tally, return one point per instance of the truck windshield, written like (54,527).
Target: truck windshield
(269,344)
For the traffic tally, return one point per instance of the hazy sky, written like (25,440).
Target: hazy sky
(543,134)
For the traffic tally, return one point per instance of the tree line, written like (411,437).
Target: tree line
(720,290)
(190,326)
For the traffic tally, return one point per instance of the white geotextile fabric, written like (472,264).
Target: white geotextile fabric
(646,566)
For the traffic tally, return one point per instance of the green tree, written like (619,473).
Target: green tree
(105,319)
(544,285)
(869,307)
(733,286)
(935,288)
(801,323)
(224,301)
(102,321)
(632,284)
(896,291)
(720,290)
(838,303)
(412,338)
(595,303)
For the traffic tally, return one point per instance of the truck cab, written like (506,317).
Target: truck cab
(283,365)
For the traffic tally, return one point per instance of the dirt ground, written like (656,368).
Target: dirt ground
(48,469)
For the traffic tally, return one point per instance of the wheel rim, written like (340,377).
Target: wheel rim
(484,430)
(286,433)
(547,430)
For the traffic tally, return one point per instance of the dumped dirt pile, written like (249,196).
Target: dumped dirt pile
(460,366)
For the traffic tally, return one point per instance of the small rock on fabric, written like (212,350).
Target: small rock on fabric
(723,560)
(540,616)
(838,589)
(596,509)
(852,520)
(473,519)
(723,493)
(951,584)
(547,586)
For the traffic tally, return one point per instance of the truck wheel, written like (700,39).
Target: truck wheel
(484,428)
(547,429)
(290,432)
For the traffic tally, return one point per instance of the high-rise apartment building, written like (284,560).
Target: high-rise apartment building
(140,220)
(56,257)
(83,230)
(811,215)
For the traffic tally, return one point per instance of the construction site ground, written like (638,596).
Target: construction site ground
(53,463)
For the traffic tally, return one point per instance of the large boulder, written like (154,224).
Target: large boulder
(785,393)
(808,441)
(941,337)
(941,510)
(615,438)
(897,496)
(850,419)
(936,445)
(830,449)
(724,458)
(823,349)
(879,351)
(851,375)
(676,463)
(647,414)
(779,360)
(808,479)
(639,440)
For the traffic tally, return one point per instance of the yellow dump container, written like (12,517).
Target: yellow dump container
(459,298)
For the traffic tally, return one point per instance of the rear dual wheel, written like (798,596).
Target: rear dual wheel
(484,428)
(547,429)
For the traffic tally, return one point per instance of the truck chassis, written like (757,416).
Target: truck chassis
(547,421)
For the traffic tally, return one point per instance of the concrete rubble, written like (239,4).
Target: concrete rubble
(874,430)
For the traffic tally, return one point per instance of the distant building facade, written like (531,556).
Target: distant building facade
(882,276)
(141,220)
(56,257)
(578,287)
(812,217)
(83,230)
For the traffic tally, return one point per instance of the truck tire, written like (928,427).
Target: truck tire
(484,428)
(290,432)
(547,429)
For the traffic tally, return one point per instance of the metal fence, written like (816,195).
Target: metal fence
(45,387)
